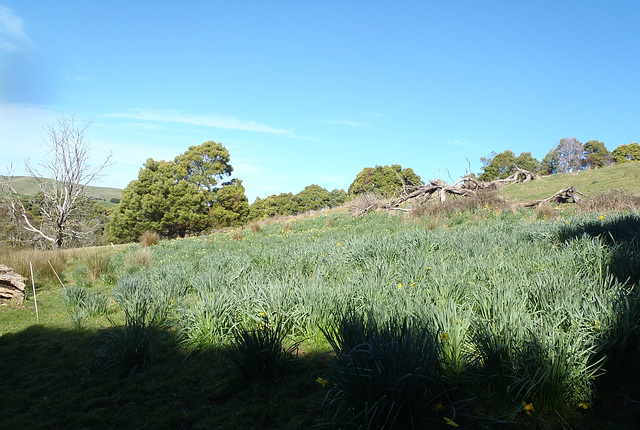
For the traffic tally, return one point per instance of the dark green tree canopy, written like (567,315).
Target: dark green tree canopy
(549,164)
(384,180)
(502,165)
(232,206)
(596,155)
(204,165)
(180,198)
(626,153)
(281,204)
(313,197)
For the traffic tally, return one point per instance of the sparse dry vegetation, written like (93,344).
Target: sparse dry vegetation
(149,238)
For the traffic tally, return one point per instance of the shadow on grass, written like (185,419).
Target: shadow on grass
(47,384)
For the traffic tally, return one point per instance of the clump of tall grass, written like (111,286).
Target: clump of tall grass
(387,372)
(544,212)
(260,352)
(131,349)
(149,238)
(98,265)
(82,304)
(139,259)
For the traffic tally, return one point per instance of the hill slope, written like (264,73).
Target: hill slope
(623,177)
(27,186)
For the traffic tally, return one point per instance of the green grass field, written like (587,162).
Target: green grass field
(491,318)
(624,177)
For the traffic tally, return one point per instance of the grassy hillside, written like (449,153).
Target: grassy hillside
(497,317)
(27,186)
(624,177)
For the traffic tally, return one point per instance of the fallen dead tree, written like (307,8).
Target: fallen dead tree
(11,284)
(565,195)
(464,187)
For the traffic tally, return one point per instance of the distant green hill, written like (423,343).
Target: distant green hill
(624,177)
(27,186)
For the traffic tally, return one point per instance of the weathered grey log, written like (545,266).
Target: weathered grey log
(11,284)
(565,195)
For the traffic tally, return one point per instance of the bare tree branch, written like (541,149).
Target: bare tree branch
(62,180)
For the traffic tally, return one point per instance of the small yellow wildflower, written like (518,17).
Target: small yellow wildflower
(261,313)
(399,286)
(444,336)
(450,422)
(322,381)
(438,407)
(584,405)
(339,244)
(528,407)
(172,301)
(601,217)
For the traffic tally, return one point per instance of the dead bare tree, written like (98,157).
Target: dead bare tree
(61,180)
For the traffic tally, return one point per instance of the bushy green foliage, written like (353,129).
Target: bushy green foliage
(385,180)
(312,197)
(502,165)
(626,153)
(181,197)
(596,154)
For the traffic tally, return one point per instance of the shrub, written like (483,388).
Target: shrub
(149,238)
(255,227)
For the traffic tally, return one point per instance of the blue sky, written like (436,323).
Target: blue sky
(304,92)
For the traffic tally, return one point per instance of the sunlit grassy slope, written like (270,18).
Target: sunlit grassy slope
(624,177)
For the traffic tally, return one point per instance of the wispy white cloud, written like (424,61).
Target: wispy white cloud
(208,120)
(12,34)
(345,122)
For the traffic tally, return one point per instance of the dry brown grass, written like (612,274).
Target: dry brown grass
(45,263)
(437,210)
(364,203)
(612,201)
(545,212)
(141,257)
(150,238)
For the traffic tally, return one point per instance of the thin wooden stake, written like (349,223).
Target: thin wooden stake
(55,273)
(35,298)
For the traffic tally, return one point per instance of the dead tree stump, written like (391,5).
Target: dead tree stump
(11,284)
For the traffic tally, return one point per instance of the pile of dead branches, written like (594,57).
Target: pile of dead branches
(465,187)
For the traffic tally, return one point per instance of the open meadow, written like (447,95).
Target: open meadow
(482,318)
